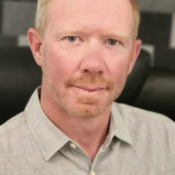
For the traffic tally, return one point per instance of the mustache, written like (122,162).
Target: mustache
(88,80)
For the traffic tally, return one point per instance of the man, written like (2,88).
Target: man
(71,126)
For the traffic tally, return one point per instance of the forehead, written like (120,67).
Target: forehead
(91,14)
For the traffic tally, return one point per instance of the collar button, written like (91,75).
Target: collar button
(72,145)
(93,173)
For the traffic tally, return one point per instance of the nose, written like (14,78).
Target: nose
(92,61)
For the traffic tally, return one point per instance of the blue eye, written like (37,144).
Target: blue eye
(72,38)
(112,42)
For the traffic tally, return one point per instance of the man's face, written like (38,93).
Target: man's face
(87,51)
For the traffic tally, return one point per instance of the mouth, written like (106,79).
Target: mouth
(89,90)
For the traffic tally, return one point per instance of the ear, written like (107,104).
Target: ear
(35,45)
(134,55)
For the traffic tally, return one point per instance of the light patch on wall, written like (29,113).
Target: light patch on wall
(23,41)
(151,50)
(160,6)
(172,35)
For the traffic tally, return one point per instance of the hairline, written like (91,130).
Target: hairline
(41,24)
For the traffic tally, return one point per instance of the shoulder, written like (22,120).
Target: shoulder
(12,133)
(12,124)
(147,125)
(152,135)
(137,114)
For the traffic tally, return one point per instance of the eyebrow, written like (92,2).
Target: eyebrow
(120,35)
(71,30)
(83,31)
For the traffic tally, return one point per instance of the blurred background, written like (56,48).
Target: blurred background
(151,85)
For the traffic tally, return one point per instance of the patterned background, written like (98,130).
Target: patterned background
(157,28)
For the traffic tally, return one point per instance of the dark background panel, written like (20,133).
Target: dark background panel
(1,15)
(155,28)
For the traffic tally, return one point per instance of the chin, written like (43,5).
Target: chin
(85,110)
(82,107)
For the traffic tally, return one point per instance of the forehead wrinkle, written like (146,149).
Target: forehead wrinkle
(71,30)
(84,28)
(95,20)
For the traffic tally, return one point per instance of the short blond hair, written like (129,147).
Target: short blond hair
(41,16)
(43,6)
(136,14)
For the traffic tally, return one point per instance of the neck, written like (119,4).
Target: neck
(89,133)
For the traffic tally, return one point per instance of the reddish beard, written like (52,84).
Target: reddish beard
(90,81)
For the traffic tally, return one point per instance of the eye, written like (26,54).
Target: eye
(112,42)
(72,38)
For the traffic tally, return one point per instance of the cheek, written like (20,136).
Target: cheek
(119,69)
(59,64)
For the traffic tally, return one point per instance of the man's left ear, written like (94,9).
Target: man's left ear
(135,53)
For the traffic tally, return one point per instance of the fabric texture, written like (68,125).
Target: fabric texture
(138,143)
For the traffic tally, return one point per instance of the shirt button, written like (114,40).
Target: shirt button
(93,173)
(72,145)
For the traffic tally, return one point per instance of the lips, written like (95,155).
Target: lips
(87,90)
(90,89)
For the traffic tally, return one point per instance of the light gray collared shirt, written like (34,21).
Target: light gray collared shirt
(138,143)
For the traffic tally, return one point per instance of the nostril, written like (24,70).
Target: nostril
(86,70)
(98,72)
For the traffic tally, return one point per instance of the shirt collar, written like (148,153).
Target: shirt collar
(118,125)
(48,137)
